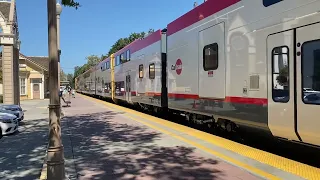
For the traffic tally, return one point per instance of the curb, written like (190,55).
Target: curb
(43,174)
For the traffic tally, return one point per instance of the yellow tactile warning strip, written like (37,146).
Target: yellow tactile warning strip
(287,165)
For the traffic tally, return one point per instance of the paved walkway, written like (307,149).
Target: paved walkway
(22,153)
(104,144)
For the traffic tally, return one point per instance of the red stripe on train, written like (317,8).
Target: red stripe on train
(231,99)
(204,10)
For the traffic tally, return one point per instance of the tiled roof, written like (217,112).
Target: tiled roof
(40,60)
(5,9)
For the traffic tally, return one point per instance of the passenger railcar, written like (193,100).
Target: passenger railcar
(242,63)
(103,78)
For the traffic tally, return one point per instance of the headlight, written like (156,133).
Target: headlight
(7,121)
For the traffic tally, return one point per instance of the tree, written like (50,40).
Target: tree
(282,79)
(151,31)
(103,57)
(122,42)
(62,75)
(93,60)
(70,79)
(71,3)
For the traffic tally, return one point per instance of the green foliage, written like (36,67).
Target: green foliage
(103,57)
(282,79)
(71,3)
(70,79)
(118,45)
(122,42)
(63,76)
(151,31)
(93,60)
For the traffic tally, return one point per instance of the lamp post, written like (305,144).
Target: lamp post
(55,157)
(59,10)
(18,44)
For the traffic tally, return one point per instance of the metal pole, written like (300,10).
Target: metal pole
(58,36)
(55,158)
(58,43)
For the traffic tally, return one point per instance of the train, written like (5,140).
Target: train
(233,63)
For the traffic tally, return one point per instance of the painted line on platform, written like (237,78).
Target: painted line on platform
(284,164)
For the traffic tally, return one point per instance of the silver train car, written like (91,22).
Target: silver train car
(240,63)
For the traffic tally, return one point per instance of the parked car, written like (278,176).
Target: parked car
(3,110)
(16,110)
(8,124)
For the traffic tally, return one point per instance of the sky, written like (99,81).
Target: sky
(94,27)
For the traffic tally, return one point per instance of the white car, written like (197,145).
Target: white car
(8,124)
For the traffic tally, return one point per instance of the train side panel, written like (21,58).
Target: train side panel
(247,67)
(93,81)
(99,79)
(227,81)
(147,76)
(104,79)
(133,82)
(107,83)
(198,79)
(87,82)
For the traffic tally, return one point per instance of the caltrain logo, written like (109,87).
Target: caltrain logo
(178,66)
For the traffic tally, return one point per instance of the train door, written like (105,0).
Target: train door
(128,87)
(294,84)
(212,65)
(308,83)
(281,97)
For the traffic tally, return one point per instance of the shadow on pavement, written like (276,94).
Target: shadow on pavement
(22,153)
(106,149)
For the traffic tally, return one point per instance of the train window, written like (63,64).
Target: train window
(152,72)
(141,71)
(310,72)
(280,74)
(267,3)
(128,55)
(118,61)
(108,64)
(210,57)
(122,58)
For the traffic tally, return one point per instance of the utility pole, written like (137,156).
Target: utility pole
(55,157)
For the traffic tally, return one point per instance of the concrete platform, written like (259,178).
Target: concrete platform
(105,141)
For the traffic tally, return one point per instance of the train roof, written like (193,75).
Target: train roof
(103,61)
(200,12)
(135,46)
(141,43)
